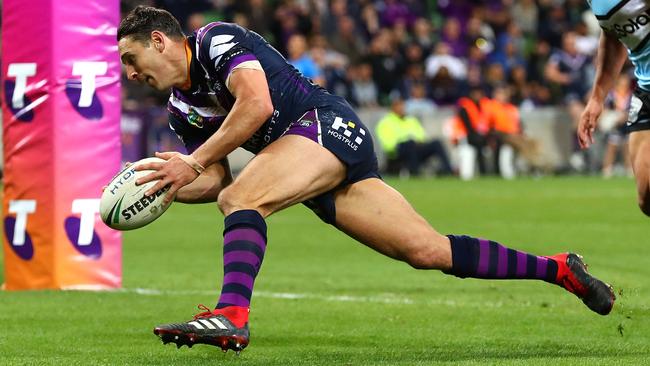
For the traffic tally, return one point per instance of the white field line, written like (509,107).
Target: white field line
(378,299)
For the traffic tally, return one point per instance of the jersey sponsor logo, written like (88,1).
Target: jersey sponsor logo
(343,132)
(632,24)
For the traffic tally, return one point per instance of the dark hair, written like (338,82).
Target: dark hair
(143,20)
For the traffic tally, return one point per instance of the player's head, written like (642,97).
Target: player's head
(149,41)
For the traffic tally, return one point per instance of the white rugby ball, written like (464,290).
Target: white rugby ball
(124,206)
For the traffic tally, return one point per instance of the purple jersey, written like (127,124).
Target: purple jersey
(218,48)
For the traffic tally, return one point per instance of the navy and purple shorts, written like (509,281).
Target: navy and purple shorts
(338,129)
(639,114)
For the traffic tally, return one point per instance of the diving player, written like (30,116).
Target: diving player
(230,88)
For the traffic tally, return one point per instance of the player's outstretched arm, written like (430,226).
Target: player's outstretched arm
(609,62)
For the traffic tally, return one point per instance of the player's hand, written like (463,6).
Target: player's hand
(588,122)
(175,173)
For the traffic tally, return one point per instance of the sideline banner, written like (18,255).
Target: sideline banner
(61,135)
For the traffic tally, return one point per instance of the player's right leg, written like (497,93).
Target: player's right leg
(378,216)
(639,148)
(291,169)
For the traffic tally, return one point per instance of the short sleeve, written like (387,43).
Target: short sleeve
(223,47)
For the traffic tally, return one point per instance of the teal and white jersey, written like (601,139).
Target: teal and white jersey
(629,20)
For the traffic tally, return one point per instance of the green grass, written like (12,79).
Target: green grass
(351,306)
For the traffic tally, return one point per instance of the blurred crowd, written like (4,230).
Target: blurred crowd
(429,53)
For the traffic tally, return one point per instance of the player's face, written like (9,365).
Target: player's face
(145,63)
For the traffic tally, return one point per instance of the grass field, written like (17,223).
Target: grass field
(323,299)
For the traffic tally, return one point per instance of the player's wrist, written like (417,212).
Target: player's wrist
(193,163)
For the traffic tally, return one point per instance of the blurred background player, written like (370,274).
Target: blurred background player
(616,37)
(230,88)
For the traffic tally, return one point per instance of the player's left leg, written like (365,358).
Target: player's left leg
(378,216)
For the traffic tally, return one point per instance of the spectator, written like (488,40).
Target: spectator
(452,36)
(414,75)
(505,126)
(413,54)
(363,86)
(422,35)
(443,57)
(302,60)
(567,69)
(418,105)
(387,65)
(494,76)
(445,90)
(479,34)
(470,127)
(347,40)
(331,20)
(525,14)
(370,20)
(404,141)
(333,64)
(396,11)
(258,15)
(289,19)
(508,51)
(618,103)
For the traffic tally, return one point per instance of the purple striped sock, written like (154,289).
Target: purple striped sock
(482,258)
(244,244)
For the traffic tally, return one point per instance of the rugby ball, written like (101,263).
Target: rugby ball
(124,206)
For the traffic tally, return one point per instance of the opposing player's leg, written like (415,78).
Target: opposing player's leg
(639,148)
(378,216)
(290,170)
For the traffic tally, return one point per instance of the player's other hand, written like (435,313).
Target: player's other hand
(588,122)
(174,172)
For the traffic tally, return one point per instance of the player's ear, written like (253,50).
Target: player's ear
(158,40)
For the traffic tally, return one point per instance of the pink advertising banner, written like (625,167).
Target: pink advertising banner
(61,135)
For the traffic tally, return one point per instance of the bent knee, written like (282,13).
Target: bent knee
(233,199)
(424,255)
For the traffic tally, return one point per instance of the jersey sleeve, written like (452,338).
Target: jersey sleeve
(223,47)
